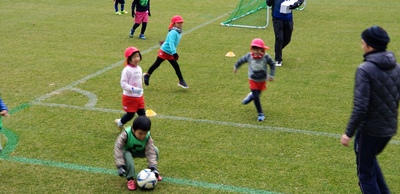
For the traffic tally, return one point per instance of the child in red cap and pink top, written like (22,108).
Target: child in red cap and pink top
(132,88)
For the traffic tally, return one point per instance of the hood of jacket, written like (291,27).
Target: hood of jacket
(383,59)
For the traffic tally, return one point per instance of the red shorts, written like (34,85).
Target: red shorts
(257,85)
(165,56)
(132,104)
(141,17)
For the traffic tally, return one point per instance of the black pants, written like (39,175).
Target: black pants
(283,34)
(174,64)
(369,173)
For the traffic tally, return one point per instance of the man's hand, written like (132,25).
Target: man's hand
(345,140)
(295,5)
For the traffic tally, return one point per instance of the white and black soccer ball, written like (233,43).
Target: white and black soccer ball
(146,179)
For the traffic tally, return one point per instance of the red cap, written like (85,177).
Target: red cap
(257,42)
(130,50)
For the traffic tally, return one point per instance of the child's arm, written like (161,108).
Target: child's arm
(240,62)
(148,8)
(272,66)
(133,8)
(119,149)
(151,153)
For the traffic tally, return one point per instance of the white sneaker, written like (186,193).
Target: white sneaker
(121,128)
(248,98)
(278,63)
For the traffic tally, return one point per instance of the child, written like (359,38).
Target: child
(3,113)
(142,16)
(168,51)
(131,83)
(132,143)
(257,72)
(122,2)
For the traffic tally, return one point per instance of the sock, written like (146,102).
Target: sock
(120,124)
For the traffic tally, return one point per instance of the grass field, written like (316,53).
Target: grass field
(60,66)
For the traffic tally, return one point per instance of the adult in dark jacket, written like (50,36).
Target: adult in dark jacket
(375,111)
(283,26)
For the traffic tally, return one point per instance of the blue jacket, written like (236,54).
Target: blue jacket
(276,7)
(172,41)
(3,105)
(376,96)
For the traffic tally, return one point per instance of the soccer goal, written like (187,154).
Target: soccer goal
(257,13)
(258,19)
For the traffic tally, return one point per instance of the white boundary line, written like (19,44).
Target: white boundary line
(93,100)
(232,124)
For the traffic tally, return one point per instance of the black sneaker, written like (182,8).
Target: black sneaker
(146,78)
(183,84)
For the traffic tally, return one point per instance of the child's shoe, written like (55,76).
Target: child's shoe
(159,178)
(261,116)
(123,12)
(248,98)
(117,13)
(131,185)
(141,36)
(121,128)
(146,78)
(131,33)
(183,84)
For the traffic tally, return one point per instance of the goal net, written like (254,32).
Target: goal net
(249,14)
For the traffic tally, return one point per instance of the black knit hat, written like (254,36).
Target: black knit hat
(376,37)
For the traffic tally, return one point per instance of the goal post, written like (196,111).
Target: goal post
(258,10)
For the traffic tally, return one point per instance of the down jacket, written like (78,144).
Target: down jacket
(376,96)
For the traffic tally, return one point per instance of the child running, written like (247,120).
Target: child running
(257,61)
(122,2)
(168,51)
(131,83)
(141,16)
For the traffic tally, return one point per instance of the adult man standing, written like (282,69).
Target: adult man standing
(283,25)
(375,112)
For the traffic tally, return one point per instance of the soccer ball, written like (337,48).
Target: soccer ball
(146,179)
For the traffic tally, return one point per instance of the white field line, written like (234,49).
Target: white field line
(232,124)
(93,100)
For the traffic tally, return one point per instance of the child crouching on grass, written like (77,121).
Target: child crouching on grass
(135,142)
(257,61)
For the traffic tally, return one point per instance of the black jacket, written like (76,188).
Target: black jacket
(376,96)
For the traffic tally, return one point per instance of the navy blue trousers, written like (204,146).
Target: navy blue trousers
(366,147)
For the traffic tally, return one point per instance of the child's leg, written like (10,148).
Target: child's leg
(256,98)
(129,165)
(144,25)
(122,2)
(175,65)
(155,65)
(141,112)
(116,5)
(135,25)
(127,117)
